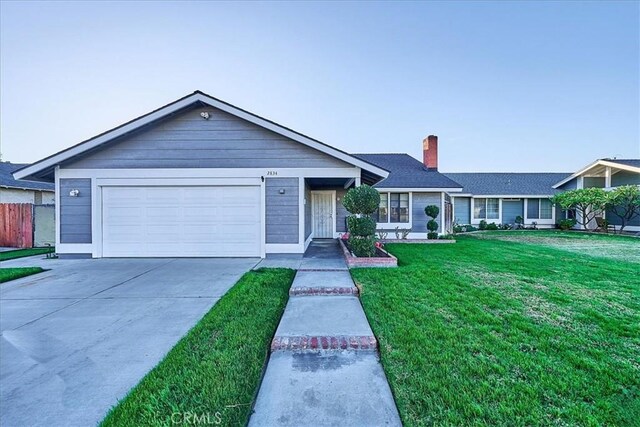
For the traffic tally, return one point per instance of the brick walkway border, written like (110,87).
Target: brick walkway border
(323,291)
(324,343)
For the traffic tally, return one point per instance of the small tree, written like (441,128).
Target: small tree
(588,203)
(432,212)
(361,202)
(624,202)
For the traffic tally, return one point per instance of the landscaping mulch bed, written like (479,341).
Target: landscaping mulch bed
(383,258)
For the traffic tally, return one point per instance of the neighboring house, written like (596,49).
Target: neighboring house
(502,197)
(18,191)
(201,177)
(31,223)
(607,174)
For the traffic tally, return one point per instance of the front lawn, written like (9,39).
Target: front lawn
(7,274)
(19,253)
(495,330)
(214,371)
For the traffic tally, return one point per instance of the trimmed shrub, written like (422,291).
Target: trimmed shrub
(566,224)
(492,226)
(363,226)
(363,200)
(432,211)
(362,246)
(483,225)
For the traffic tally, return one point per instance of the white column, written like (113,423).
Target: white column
(607,177)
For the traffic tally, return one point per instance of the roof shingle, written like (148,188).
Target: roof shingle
(7,180)
(407,172)
(509,183)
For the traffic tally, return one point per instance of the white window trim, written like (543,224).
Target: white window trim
(475,220)
(529,221)
(392,225)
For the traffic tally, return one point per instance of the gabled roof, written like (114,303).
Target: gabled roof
(627,162)
(508,184)
(408,173)
(632,165)
(42,168)
(8,181)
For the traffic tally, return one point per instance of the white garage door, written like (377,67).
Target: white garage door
(203,221)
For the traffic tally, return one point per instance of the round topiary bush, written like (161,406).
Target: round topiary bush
(432,211)
(363,200)
(432,225)
(362,226)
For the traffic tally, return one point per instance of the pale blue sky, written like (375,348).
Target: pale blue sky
(517,86)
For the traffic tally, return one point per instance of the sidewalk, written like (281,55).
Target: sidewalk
(324,367)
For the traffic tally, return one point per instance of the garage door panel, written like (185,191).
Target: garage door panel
(181,221)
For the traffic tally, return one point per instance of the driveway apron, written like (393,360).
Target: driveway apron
(78,337)
(324,367)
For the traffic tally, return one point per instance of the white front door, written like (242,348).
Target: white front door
(191,221)
(322,213)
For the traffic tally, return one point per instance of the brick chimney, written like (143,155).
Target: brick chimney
(430,152)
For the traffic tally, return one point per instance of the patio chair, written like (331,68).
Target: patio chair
(604,226)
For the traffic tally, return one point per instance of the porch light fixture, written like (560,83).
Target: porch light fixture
(74,193)
(281,191)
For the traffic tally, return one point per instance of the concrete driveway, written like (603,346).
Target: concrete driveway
(77,338)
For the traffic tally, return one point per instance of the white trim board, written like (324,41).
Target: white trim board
(594,164)
(417,190)
(211,173)
(178,105)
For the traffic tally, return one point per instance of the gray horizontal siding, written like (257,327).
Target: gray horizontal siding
(593,181)
(75,212)
(188,141)
(282,210)
(625,178)
(569,185)
(462,210)
(418,217)
(616,220)
(511,210)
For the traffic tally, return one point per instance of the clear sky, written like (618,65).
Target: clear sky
(507,86)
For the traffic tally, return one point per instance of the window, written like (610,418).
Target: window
(486,208)
(382,215)
(539,209)
(399,207)
(569,214)
(393,208)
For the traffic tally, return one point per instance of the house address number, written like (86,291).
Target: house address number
(272,173)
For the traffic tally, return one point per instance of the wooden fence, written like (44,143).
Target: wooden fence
(16,225)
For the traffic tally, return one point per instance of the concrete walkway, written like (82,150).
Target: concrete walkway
(324,367)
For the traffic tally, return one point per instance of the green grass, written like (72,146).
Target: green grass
(216,368)
(7,274)
(504,329)
(19,253)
